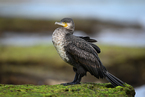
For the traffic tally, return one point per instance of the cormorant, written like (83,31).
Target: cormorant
(81,53)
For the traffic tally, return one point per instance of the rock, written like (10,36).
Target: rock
(80,90)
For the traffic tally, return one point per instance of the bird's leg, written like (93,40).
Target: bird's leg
(80,72)
(79,79)
(76,80)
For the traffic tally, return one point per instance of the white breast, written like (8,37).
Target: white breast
(59,43)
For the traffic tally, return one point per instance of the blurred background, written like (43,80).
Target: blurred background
(27,55)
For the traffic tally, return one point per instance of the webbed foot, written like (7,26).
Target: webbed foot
(71,83)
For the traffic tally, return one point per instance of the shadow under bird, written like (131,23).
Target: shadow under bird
(81,53)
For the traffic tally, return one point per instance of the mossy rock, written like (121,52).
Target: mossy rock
(80,90)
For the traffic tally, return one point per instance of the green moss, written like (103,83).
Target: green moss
(81,90)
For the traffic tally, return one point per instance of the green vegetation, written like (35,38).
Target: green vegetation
(27,55)
(81,90)
(47,54)
(117,54)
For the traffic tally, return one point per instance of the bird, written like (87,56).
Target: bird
(81,53)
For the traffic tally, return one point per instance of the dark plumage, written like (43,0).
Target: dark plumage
(81,53)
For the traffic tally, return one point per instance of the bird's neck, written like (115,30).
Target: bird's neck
(70,31)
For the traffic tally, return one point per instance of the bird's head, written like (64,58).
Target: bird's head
(67,23)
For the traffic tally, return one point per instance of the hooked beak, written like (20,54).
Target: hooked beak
(61,24)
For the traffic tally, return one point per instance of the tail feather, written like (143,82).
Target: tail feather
(114,80)
(111,80)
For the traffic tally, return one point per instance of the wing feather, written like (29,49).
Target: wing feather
(86,56)
(88,39)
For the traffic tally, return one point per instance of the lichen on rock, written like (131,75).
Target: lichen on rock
(80,90)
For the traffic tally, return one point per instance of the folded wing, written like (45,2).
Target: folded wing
(85,54)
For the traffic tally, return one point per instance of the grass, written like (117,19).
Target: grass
(47,54)
(113,54)
(82,90)
(35,54)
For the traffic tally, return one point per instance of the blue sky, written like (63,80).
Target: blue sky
(107,10)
